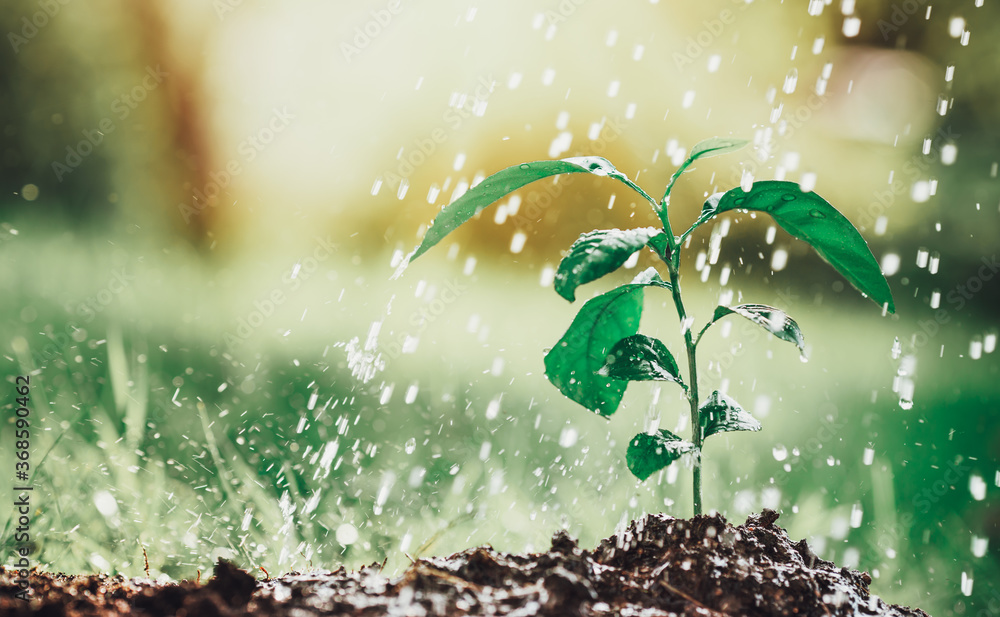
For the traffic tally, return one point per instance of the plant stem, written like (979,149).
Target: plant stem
(673,266)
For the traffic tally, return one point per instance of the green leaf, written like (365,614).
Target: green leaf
(507,181)
(775,321)
(661,246)
(641,358)
(650,277)
(573,363)
(719,413)
(648,454)
(809,217)
(597,253)
(708,148)
(714,146)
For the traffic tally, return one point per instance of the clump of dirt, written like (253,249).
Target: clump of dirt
(659,566)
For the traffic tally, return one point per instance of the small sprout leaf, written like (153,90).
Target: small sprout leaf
(506,181)
(715,146)
(648,454)
(771,319)
(721,414)
(597,253)
(661,246)
(809,217)
(703,150)
(641,358)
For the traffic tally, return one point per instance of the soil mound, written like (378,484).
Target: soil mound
(659,566)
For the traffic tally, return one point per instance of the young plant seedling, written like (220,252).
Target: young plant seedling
(602,350)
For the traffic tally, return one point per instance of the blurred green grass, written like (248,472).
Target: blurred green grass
(150,432)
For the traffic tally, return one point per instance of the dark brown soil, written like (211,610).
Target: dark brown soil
(660,566)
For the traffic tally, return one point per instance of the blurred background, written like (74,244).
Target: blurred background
(203,202)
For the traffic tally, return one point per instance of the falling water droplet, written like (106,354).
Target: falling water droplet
(411,445)
(347,534)
(852,26)
(990,342)
(966,584)
(779,259)
(976,349)
(790,81)
(688,99)
(493,409)
(890,264)
(779,452)
(568,437)
(517,242)
(979,545)
(977,487)
(949,152)
(956,26)
(857,513)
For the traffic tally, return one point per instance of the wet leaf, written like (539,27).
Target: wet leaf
(719,414)
(661,246)
(702,150)
(641,358)
(506,181)
(572,365)
(809,217)
(771,319)
(715,146)
(648,454)
(597,253)
(652,278)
